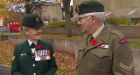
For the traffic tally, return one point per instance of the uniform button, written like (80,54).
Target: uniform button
(33,64)
(34,73)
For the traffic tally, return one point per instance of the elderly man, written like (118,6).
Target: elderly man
(104,51)
(33,57)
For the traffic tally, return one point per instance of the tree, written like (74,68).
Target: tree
(3,9)
(30,5)
(27,6)
(66,6)
(7,14)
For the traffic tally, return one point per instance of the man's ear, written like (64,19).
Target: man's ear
(26,31)
(93,18)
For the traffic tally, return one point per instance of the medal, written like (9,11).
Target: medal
(48,55)
(37,58)
(45,54)
(48,58)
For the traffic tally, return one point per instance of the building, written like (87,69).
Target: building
(118,8)
(49,11)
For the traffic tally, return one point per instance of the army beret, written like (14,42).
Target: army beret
(89,6)
(32,21)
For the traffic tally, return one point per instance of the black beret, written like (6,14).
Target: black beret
(89,6)
(32,21)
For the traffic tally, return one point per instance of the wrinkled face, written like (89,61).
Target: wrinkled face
(87,23)
(33,33)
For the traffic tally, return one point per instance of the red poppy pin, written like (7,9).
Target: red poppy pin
(93,41)
(38,46)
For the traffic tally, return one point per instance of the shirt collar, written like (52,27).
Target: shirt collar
(30,42)
(96,33)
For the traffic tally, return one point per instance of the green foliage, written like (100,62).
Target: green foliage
(61,24)
(118,21)
(56,24)
(138,24)
(134,43)
(9,16)
(8,2)
(50,36)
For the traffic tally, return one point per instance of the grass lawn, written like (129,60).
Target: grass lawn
(134,43)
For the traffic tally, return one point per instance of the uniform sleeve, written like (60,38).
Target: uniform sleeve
(15,68)
(52,63)
(122,58)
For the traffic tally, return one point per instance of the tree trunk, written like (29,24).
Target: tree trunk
(27,6)
(66,5)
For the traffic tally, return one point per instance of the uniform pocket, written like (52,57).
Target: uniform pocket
(99,60)
(24,58)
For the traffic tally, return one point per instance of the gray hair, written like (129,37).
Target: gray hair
(100,16)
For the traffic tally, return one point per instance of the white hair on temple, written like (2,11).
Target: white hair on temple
(99,15)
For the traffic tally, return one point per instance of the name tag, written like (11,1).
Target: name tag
(23,54)
(104,46)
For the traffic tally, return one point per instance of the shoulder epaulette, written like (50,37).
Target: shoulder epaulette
(117,33)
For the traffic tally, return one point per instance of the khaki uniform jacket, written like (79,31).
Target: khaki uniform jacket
(114,58)
(25,64)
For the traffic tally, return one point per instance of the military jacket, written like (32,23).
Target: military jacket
(109,55)
(25,62)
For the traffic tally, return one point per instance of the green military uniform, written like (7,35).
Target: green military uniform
(109,56)
(106,54)
(33,58)
(25,63)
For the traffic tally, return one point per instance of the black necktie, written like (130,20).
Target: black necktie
(91,37)
(33,45)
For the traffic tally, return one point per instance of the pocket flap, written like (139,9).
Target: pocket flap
(101,52)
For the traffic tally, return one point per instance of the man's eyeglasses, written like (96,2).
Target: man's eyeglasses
(80,18)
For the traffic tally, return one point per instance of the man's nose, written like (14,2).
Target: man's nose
(39,30)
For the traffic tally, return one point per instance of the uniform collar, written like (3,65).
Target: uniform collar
(95,34)
(30,42)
